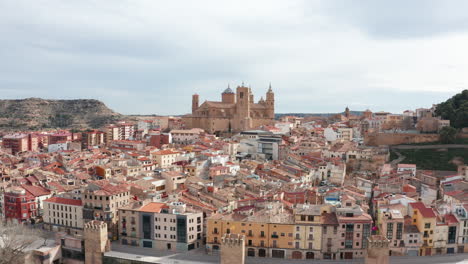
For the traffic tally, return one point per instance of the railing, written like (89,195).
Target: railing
(274,236)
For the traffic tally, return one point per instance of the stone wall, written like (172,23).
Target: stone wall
(377,139)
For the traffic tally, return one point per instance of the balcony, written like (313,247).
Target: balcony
(124,233)
(274,236)
(215,233)
(250,235)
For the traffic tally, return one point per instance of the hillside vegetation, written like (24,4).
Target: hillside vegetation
(455,109)
(36,113)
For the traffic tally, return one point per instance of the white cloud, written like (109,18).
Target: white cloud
(319,55)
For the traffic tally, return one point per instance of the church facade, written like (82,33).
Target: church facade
(236,111)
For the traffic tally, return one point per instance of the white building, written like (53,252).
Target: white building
(63,214)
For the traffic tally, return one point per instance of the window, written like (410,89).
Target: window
(390,230)
(399,231)
(427,225)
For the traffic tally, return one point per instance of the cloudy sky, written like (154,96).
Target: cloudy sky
(149,56)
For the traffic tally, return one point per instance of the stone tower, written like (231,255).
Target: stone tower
(96,241)
(270,102)
(377,250)
(368,114)
(195,102)
(347,112)
(243,108)
(233,249)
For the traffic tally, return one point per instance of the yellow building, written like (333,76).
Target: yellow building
(424,219)
(272,232)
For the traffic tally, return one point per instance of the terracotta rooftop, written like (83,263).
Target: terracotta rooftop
(153,207)
(426,212)
(66,201)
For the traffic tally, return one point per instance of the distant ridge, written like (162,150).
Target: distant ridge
(279,115)
(37,113)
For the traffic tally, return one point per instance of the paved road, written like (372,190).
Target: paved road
(198,257)
(447,146)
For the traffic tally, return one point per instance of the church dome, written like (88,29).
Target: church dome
(228,91)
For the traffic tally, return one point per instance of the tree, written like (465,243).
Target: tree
(448,135)
(455,109)
(14,241)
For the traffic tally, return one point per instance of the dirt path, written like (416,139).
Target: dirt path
(398,160)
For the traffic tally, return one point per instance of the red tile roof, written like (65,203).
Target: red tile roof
(451,219)
(35,190)
(66,201)
(426,212)
(153,207)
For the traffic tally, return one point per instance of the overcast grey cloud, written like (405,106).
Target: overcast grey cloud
(148,57)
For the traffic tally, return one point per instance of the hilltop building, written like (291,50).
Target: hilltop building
(237,111)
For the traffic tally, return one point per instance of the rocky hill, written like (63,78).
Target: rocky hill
(36,113)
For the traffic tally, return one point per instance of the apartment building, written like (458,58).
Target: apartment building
(16,143)
(186,137)
(165,158)
(160,226)
(330,248)
(308,233)
(461,214)
(63,214)
(20,205)
(424,219)
(101,201)
(354,228)
(277,232)
(92,138)
(391,226)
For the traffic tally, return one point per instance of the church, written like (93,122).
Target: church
(236,111)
